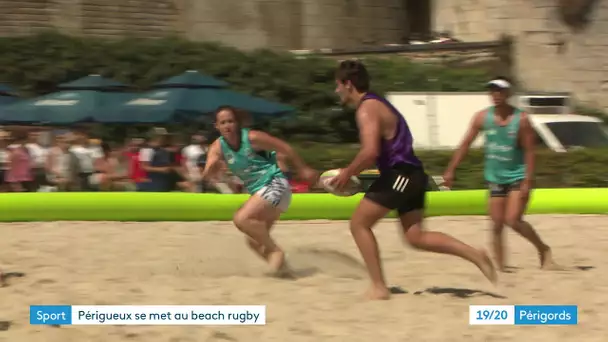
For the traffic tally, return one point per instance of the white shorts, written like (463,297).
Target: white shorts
(277,193)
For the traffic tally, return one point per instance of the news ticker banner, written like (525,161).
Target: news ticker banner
(523,315)
(256,315)
(148,314)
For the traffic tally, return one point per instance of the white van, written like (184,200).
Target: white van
(560,130)
(439,120)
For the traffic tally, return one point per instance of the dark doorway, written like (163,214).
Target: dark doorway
(418,19)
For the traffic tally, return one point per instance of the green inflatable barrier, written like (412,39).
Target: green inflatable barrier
(137,206)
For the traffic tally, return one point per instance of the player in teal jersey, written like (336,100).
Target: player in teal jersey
(251,156)
(508,170)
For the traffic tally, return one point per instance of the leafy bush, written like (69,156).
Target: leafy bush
(37,63)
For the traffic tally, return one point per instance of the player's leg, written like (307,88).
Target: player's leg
(515,209)
(261,211)
(371,209)
(379,200)
(437,242)
(496,207)
(411,215)
(251,220)
(258,248)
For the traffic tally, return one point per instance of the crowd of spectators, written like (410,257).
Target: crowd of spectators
(73,161)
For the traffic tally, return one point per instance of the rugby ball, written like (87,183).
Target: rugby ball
(353,187)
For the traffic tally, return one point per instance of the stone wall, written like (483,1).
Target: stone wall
(281,24)
(549,55)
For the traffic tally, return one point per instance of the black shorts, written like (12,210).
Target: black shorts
(502,190)
(403,189)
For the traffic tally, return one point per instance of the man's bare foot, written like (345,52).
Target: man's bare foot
(547,263)
(376,292)
(487,267)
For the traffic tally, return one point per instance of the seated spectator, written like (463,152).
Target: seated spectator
(137,175)
(178,176)
(107,175)
(4,162)
(38,154)
(58,164)
(195,156)
(200,166)
(19,172)
(155,161)
(84,155)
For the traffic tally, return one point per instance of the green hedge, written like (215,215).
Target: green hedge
(585,168)
(35,64)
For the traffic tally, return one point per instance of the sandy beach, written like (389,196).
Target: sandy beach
(175,263)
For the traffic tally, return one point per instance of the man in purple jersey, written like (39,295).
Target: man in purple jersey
(402,185)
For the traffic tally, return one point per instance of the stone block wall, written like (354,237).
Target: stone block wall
(548,54)
(247,24)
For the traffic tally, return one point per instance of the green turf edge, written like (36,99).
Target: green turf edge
(134,206)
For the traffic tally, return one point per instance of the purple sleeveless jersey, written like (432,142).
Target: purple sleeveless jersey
(398,150)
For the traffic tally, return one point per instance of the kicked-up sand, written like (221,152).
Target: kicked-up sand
(174,263)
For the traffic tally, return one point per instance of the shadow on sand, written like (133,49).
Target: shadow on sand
(307,262)
(458,293)
(511,269)
(514,269)
(5,325)
(9,275)
(397,290)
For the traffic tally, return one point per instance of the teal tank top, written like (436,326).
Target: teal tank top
(504,158)
(255,168)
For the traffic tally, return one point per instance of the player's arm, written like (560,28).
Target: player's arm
(369,136)
(261,141)
(283,162)
(266,142)
(472,133)
(527,137)
(214,162)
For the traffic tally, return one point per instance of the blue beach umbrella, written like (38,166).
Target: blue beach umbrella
(188,96)
(7,95)
(83,100)
(64,107)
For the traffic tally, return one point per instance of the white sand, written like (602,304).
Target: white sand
(208,263)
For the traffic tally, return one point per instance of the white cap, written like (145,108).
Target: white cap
(503,84)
